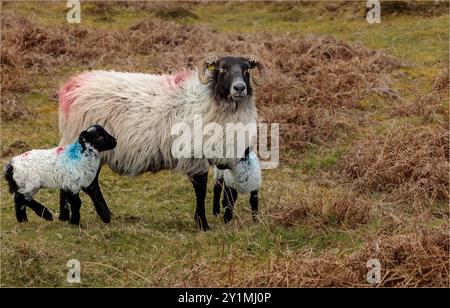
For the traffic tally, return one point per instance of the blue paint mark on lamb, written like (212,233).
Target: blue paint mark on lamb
(74,151)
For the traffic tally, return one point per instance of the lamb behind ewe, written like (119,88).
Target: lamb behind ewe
(142,109)
(68,168)
(245,177)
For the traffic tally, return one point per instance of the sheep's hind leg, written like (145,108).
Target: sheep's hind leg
(96,196)
(218,187)
(40,210)
(75,205)
(200,182)
(64,212)
(229,199)
(254,205)
(21,208)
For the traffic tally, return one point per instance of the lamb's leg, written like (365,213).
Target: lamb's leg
(75,205)
(39,209)
(229,199)
(200,182)
(21,208)
(64,212)
(218,186)
(254,204)
(95,193)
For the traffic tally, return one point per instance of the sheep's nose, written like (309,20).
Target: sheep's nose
(239,86)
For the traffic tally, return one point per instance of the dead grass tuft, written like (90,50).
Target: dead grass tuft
(441,82)
(411,260)
(11,110)
(432,107)
(427,8)
(15,148)
(317,207)
(411,161)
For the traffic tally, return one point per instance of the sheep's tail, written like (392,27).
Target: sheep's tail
(9,172)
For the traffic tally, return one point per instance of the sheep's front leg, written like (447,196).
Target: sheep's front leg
(254,204)
(218,187)
(75,205)
(39,209)
(96,196)
(229,199)
(64,212)
(200,183)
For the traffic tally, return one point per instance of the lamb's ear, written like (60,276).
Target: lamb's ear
(247,151)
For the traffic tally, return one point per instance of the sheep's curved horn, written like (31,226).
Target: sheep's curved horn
(259,81)
(201,70)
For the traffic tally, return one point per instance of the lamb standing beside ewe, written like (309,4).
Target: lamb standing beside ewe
(245,177)
(141,109)
(68,168)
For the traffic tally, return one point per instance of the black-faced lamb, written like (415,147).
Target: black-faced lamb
(68,168)
(244,177)
(142,109)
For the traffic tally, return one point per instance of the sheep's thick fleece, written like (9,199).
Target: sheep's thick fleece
(140,110)
(69,168)
(245,177)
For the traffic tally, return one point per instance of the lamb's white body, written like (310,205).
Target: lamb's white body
(66,168)
(140,110)
(245,177)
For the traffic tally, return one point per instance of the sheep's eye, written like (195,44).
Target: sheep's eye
(247,72)
(221,70)
(100,138)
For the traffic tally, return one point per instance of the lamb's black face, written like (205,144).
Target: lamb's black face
(99,138)
(231,79)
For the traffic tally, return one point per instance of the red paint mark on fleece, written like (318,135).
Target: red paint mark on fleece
(25,155)
(59,150)
(67,93)
(178,79)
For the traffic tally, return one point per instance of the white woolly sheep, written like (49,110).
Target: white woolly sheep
(68,168)
(245,177)
(141,110)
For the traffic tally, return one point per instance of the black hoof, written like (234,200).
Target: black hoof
(22,219)
(202,225)
(75,221)
(64,216)
(227,216)
(47,215)
(75,224)
(216,213)
(105,217)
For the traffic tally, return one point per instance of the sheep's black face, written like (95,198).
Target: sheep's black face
(99,138)
(231,79)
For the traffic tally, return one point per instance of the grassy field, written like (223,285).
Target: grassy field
(364,126)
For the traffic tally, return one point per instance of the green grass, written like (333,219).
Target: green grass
(152,240)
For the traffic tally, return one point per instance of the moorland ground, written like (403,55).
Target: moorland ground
(363,110)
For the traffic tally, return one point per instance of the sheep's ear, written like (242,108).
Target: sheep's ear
(85,135)
(247,151)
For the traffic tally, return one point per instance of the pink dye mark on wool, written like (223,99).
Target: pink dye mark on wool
(25,155)
(178,79)
(59,150)
(68,94)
